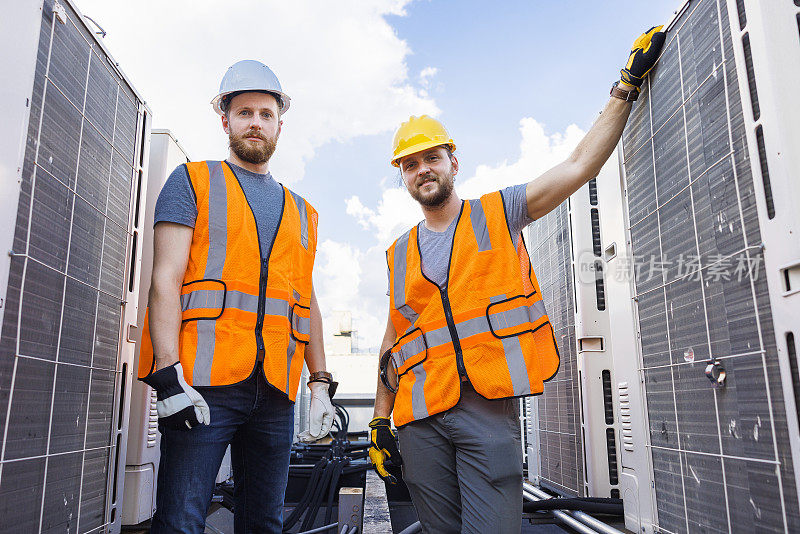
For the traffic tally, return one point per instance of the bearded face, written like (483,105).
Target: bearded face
(429,176)
(433,189)
(252,146)
(252,121)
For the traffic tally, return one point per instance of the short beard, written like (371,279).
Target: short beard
(438,198)
(245,151)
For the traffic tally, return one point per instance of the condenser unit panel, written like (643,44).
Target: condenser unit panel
(61,413)
(559,418)
(720,455)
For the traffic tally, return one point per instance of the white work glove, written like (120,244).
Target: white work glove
(320,413)
(179,405)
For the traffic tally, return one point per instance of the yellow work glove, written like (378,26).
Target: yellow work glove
(644,53)
(383,446)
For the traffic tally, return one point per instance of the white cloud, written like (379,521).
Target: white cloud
(341,62)
(341,283)
(426,75)
(538,152)
(395,213)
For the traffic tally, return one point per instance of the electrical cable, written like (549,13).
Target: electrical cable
(319,493)
(289,522)
(333,461)
(332,491)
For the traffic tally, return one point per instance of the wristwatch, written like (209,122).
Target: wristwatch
(325,377)
(622,94)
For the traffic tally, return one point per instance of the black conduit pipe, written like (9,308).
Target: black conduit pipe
(589,505)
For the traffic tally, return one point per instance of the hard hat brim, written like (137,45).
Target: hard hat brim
(419,147)
(284,99)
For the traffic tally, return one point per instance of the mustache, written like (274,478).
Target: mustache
(427,178)
(253,133)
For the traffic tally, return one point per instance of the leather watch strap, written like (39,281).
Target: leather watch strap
(627,96)
(326,378)
(319,374)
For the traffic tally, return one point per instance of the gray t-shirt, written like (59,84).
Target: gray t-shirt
(435,246)
(177,202)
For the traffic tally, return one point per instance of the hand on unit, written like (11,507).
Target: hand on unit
(179,405)
(320,413)
(383,447)
(644,53)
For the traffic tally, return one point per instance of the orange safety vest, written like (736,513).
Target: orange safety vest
(236,307)
(488,324)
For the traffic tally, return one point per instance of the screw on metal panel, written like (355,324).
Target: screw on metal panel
(59,12)
(716,373)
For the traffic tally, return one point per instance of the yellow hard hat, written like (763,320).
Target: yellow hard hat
(419,133)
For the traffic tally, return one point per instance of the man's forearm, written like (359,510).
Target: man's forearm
(554,186)
(384,399)
(315,351)
(595,148)
(164,321)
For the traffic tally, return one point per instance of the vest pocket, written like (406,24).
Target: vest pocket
(410,350)
(300,321)
(203,299)
(509,317)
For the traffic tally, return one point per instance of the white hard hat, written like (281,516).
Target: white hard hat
(249,75)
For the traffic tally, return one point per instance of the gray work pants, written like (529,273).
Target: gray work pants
(463,467)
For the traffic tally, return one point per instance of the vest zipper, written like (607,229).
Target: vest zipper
(451,325)
(262,292)
(262,278)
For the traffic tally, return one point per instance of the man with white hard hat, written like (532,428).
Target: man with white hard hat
(232,316)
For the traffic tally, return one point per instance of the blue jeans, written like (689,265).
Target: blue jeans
(257,421)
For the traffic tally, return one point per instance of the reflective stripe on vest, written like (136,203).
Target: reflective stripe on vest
(510,329)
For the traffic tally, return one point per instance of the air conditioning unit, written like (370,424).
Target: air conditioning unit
(554,417)
(75,138)
(571,428)
(709,252)
(143,437)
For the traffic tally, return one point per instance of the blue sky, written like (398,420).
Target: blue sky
(553,61)
(515,82)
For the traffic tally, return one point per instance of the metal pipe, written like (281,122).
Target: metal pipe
(317,530)
(585,518)
(562,516)
(413,528)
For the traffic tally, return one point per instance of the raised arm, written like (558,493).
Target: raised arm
(554,186)
(550,189)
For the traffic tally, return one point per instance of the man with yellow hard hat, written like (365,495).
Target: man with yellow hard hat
(467,330)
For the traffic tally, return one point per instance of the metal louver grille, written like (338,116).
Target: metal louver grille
(561,450)
(61,330)
(152,420)
(720,456)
